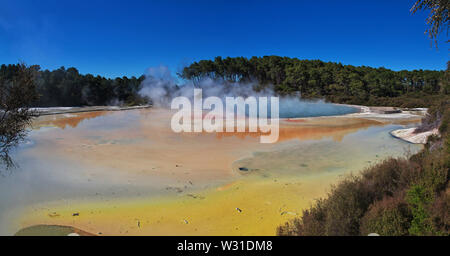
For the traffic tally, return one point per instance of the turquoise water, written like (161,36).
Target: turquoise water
(292,109)
(296,108)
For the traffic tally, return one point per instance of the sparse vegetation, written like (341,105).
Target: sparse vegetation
(17,93)
(438,18)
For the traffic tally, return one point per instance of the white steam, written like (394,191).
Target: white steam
(161,87)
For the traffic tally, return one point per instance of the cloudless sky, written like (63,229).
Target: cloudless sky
(116,38)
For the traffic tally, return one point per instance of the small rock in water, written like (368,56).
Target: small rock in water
(290,213)
(54,214)
(195,196)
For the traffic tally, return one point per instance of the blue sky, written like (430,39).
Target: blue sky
(116,38)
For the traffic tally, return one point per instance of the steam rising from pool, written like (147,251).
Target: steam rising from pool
(161,87)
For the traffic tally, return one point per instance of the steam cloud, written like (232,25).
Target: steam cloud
(161,87)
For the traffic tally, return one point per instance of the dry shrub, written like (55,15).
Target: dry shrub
(440,213)
(345,205)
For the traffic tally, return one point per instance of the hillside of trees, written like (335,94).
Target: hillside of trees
(67,87)
(333,81)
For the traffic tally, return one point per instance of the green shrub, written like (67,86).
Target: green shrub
(419,199)
(388,217)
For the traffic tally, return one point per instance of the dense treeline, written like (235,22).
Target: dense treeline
(318,79)
(396,197)
(67,87)
(312,78)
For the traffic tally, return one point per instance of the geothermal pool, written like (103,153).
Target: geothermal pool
(127,173)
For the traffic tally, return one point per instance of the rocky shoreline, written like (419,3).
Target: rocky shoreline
(71,110)
(411,136)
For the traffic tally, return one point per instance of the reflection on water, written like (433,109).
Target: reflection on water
(98,163)
(64,120)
